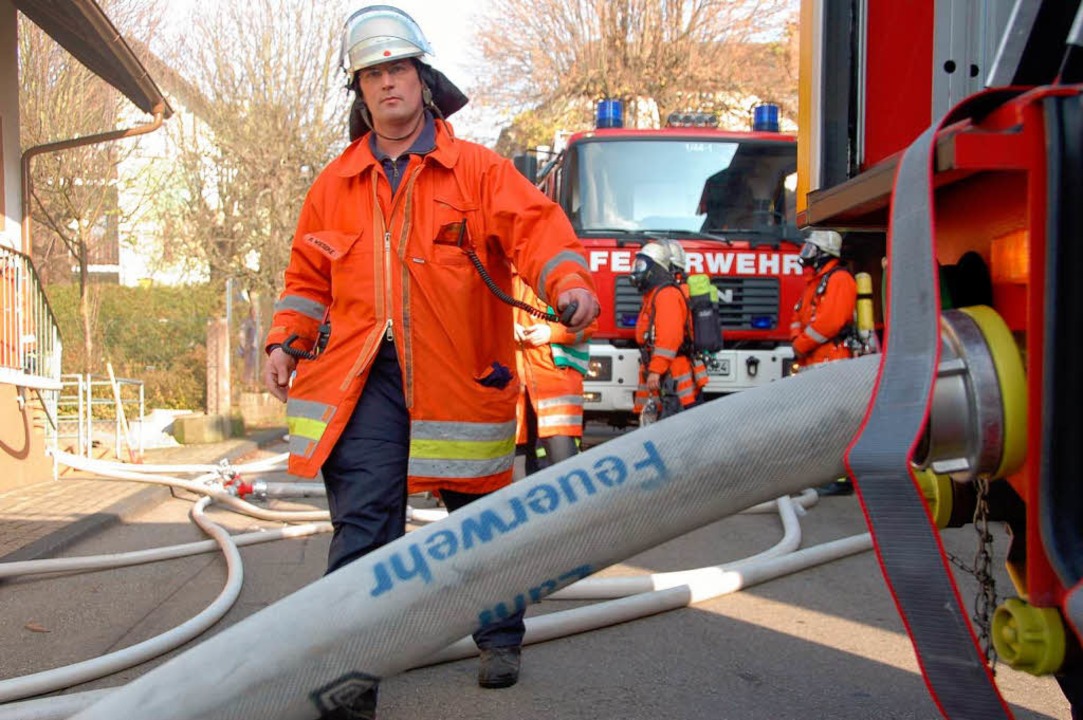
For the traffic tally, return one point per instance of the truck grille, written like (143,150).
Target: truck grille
(744,303)
(626,303)
(749,303)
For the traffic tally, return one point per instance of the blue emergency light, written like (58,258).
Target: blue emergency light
(765,118)
(763,322)
(610,114)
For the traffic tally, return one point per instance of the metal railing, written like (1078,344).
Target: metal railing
(87,414)
(30,347)
(30,344)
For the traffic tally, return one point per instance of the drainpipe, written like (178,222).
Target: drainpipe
(30,153)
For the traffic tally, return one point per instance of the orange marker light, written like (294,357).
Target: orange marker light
(1011,257)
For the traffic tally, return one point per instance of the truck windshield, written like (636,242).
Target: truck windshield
(702,185)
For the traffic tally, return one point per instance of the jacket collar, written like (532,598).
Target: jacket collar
(424,144)
(828,267)
(358,157)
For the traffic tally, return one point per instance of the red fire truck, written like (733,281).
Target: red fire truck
(946,138)
(727,197)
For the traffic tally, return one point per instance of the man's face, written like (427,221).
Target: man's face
(392,92)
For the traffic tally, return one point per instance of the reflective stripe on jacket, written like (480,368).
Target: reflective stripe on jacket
(555,393)
(383,265)
(821,316)
(666,338)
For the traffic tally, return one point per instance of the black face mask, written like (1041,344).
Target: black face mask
(812,256)
(646,274)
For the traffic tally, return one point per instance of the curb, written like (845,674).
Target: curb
(138,502)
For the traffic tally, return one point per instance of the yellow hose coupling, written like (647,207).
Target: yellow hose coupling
(977,419)
(1028,638)
(936,489)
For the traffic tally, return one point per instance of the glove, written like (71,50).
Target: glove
(537,335)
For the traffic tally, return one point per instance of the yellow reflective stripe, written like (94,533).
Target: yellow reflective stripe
(306,427)
(307,418)
(451,449)
(461,449)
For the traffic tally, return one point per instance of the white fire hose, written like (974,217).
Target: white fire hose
(87,670)
(398,606)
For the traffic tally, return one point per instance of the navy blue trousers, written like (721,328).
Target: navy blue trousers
(365,475)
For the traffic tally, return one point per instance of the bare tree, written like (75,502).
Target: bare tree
(265,109)
(658,54)
(75,201)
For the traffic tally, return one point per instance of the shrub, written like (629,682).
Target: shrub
(156,335)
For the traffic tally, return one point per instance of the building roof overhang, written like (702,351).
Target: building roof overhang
(82,28)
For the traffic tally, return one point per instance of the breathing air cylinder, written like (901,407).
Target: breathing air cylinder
(706,323)
(866,324)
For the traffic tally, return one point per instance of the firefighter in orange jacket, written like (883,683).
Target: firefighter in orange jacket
(552,362)
(405,381)
(670,378)
(824,315)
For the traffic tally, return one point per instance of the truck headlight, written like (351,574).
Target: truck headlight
(600,369)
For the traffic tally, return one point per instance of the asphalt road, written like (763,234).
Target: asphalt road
(823,643)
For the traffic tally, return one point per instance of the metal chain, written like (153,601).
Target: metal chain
(985,601)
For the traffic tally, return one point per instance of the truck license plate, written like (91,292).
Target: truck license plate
(721,366)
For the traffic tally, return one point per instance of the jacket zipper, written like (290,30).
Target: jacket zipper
(387,277)
(371,346)
(368,352)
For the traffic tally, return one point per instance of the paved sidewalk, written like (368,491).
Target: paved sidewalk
(41,519)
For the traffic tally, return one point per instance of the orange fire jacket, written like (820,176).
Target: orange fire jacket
(380,266)
(826,307)
(555,392)
(665,334)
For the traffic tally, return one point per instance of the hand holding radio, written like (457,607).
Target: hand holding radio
(577,307)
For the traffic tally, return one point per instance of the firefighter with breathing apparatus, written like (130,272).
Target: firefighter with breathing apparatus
(671,377)
(823,319)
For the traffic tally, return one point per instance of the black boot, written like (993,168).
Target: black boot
(499,667)
(349,705)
